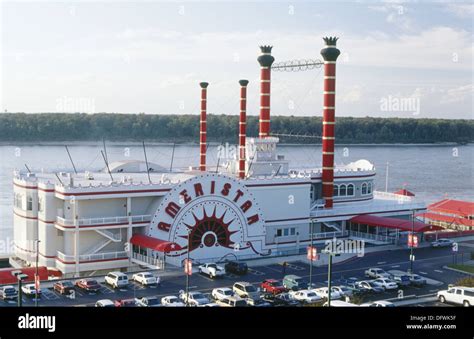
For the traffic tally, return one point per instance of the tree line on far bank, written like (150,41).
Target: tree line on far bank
(22,127)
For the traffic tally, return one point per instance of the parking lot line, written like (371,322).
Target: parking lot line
(421,272)
(255,272)
(381,262)
(439,271)
(395,266)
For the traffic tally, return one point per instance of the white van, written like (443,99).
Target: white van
(116,279)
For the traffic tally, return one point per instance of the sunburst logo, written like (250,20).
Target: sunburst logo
(209,231)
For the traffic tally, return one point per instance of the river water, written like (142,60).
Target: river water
(431,172)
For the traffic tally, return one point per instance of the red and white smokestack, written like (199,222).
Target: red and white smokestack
(203,127)
(330,54)
(266,60)
(242,126)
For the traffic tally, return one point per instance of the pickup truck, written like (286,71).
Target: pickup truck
(457,295)
(212,270)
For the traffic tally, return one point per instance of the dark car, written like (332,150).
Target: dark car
(63,287)
(8,292)
(125,303)
(236,267)
(282,299)
(88,285)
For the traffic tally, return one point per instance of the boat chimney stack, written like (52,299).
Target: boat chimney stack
(203,127)
(330,54)
(265,60)
(242,126)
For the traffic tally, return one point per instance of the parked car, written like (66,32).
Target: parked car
(305,296)
(222,293)
(236,267)
(339,303)
(30,290)
(246,290)
(377,273)
(145,278)
(282,299)
(348,281)
(116,279)
(443,242)
(212,270)
(125,303)
(294,282)
(257,302)
(369,286)
(104,303)
(345,291)
(63,287)
(232,302)
(194,298)
(323,293)
(457,295)
(402,280)
(8,292)
(380,303)
(147,302)
(172,301)
(88,285)
(272,286)
(417,280)
(386,284)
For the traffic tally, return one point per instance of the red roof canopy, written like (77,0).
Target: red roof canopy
(447,218)
(405,192)
(154,243)
(6,276)
(458,207)
(401,224)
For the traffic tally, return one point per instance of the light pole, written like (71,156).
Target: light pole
(20,277)
(188,270)
(412,242)
(311,255)
(37,241)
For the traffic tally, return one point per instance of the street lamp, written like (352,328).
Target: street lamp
(188,267)
(37,241)
(20,277)
(330,255)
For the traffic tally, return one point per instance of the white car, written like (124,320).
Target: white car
(443,242)
(104,303)
(376,273)
(212,270)
(116,279)
(30,290)
(222,293)
(457,295)
(344,291)
(323,293)
(387,284)
(306,296)
(146,278)
(380,303)
(194,298)
(172,301)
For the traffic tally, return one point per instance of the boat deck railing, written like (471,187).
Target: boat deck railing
(146,218)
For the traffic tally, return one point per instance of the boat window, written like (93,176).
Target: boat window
(350,189)
(364,188)
(29,203)
(336,191)
(343,190)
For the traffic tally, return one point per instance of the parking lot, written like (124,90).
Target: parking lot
(429,264)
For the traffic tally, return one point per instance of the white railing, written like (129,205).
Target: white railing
(326,235)
(392,196)
(105,220)
(90,257)
(141,258)
(370,236)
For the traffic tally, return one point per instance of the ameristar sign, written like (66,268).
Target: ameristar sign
(210,215)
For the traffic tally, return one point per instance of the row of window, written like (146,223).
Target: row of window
(344,190)
(285,232)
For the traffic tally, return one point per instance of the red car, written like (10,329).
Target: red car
(125,303)
(88,285)
(272,286)
(63,287)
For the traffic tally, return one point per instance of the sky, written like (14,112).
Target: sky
(398,59)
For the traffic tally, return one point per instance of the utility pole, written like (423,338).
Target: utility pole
(188,270)
(412,244)
(329,278)
(37,241)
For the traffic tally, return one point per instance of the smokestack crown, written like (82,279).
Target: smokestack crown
(203,84)
(266,59)
(243,82)
(330,52)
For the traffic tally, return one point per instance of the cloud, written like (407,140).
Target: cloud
(395,13)
(353,95)
(457,94)
(462,10)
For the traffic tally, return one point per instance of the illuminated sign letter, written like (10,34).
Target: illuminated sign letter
(198,189)
(246,206)
(172,209)
(252,219)
(164,226)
